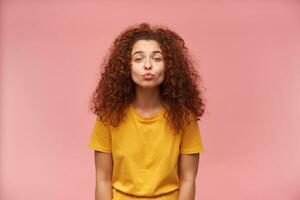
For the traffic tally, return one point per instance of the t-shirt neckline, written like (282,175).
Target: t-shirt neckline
(142,118)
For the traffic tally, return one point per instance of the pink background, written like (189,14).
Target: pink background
(248,53)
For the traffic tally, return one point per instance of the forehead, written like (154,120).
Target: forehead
(147,46)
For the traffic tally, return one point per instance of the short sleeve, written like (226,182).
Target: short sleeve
(191,141)
(100,138)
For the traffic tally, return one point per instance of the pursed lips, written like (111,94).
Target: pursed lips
(148,74)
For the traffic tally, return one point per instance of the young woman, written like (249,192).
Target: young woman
(147,102)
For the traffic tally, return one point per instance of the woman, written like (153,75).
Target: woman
(147,102)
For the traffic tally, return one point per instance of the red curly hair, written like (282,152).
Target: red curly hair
(179,90)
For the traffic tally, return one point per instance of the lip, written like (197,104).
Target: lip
(148,76)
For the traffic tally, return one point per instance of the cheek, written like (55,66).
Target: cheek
(133,69)
(134,73)
(161,75)
(162,71)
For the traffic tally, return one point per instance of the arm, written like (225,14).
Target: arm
(188,167)
(103,164)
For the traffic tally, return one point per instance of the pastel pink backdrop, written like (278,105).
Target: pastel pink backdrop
(248,53)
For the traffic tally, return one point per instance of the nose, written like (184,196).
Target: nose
(148,65)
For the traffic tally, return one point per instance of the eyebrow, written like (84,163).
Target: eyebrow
(142,52)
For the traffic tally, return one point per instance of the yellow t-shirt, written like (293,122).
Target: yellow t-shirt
(145,154)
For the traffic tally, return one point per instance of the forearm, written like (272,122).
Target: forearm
(103,190)
(187,190)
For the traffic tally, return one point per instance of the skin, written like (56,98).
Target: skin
(104,166)
(146,56)
(188,168)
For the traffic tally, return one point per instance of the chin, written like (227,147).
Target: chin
(148,85)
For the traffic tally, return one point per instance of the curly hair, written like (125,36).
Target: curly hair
(179,91)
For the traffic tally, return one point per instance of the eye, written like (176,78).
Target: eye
(137,59)
(157,59)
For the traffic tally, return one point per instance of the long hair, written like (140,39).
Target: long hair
(179,91)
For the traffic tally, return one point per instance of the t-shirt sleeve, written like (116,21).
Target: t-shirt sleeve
(100,138)
(191,141)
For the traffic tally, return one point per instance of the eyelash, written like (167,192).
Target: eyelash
(157,59)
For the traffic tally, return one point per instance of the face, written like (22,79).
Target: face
(147,58)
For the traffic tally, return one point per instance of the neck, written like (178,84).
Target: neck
(147,99)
